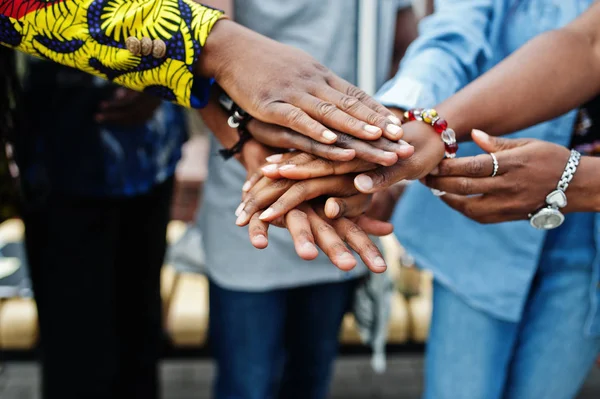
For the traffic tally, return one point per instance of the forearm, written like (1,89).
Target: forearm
(549,76)
(92,36)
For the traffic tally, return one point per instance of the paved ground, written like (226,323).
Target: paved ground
(191,380)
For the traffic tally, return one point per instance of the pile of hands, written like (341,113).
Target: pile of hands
(335,195)
(327,161)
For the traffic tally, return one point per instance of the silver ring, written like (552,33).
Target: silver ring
(496,166)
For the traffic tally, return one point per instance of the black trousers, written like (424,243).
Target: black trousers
(95,267)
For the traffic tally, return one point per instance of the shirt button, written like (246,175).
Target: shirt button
(159,49)
(133,45)
(146,43)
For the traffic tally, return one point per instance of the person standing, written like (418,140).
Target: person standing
(97,165)
(275,319)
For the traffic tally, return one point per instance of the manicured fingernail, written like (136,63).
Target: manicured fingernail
(332,209)
(372,129)
(287,167)
(269,168)
(379,262)
(241,218)
(274,158)
(246,186)
(395,119)
(435,171)
(363,183)
(266,214)
(479,134)
(329,136)
(438,193)
(394,130)
(240,209)
(260,239)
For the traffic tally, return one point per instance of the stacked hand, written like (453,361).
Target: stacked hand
(322,201)
(528,171)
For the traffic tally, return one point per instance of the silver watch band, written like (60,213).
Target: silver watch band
(569,172)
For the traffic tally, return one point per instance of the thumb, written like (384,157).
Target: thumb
(494,144)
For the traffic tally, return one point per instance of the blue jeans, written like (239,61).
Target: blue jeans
(278,344)
(472,355)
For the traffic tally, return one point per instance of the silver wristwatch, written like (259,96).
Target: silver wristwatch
(550,217)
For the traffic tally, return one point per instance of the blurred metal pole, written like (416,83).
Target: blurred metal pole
(367,44)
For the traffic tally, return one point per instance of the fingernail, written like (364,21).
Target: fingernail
(390,155)
(438,193)
(379,262)
(395,119)
(269,168)
(435,171)
(346,260)
(274,158)
(240,208)
(332,209)
(266,214)
(393,129)
(260,239)
(372,129)
(241,218)
(363,183)
(479,134)
(308,246)
(329,135)
(348,152)
(246,186)
(287,167)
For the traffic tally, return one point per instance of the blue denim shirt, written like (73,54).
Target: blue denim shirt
(490,266)
(66,152)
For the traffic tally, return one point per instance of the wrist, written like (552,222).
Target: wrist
(213,55)
(583,194)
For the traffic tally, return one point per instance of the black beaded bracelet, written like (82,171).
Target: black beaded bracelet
(238,119)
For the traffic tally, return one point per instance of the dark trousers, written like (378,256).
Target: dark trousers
(95,267)
(278,344)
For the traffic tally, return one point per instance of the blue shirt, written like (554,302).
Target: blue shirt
(490,266)
(64,151)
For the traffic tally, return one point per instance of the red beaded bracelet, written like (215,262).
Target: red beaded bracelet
(431,117)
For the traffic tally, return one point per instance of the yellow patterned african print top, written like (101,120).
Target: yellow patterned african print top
(90,35)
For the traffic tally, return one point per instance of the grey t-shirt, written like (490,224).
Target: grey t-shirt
(328,31)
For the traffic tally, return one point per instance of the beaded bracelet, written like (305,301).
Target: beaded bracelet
(431,117)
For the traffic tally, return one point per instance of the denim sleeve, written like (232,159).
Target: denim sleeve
(452,50)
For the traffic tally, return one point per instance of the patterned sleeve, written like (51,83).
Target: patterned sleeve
(93,36)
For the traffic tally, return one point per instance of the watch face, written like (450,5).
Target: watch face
(547,219)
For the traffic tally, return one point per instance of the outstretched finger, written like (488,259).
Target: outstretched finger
(298,225)
(296,119)
(307,190)
(354,107)
(360,242)
(258,231)
(330,242)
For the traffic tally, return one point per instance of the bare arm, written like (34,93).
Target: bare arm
(550,75)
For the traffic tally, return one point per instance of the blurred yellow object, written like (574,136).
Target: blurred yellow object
(18,324)
(187,321)
(12,230)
